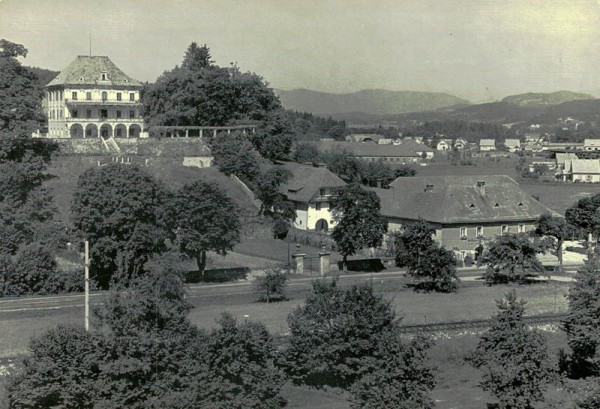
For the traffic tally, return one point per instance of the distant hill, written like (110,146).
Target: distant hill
(371,102)
(531,99)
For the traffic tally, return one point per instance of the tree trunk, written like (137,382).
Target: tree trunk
(344,260)
(201,261)
(559,255)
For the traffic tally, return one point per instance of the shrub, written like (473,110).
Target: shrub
(34,272)
(272,285)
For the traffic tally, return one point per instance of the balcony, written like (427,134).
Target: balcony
(104,120)
(102,102)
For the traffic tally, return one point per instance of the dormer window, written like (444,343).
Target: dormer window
(520,204)
(103,76)
(472,206)
(496,205)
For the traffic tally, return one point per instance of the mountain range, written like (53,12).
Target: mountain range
(377,106)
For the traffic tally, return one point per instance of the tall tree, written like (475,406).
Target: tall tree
(203,218)
(558,230)
(511,257)
(116,208)
(197,57)
(585,214)
(582,325)
(359,223)
(411,243)
(514,359)
(235,155)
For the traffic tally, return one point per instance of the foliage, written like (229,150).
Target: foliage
(582,325)
(33,272)
(343,164)
(585,214)
(334,332)
(281,227)
(274,137)
(203,218)
(306,153)
(400,375)
(557,229)
(115,207)
(268,191)
(376,174)
(272,285)
(235,155)
(426,260)
(511,257)
(404,171)
(514,359)
(143,353)
(358,220)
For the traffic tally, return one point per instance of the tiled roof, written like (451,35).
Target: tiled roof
(407,148)
(306,181)
(512,142)
(86,70)
(458,199)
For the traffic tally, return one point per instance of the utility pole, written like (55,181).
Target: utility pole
(87,286)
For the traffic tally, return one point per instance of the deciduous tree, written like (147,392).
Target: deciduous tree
(558,230)
(585,214)
(271,285)
(511,257)
(235,155)
(203,218)
(359,223)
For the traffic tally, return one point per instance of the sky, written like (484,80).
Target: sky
(481,50)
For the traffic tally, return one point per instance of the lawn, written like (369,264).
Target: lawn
(560,196)
(457,387)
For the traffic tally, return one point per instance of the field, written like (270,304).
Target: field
(457,386)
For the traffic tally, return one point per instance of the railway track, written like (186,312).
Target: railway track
(478,324)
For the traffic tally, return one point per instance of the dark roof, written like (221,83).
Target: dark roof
(405,149)
(87,70)
(306,181)
(458,199)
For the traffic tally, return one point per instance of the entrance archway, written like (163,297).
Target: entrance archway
(322,225)
(76,131)
(106,131)
(91,131)
(134,131)
(120,131)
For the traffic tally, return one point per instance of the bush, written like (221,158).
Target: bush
(366,265)
(34,272)
(272,285)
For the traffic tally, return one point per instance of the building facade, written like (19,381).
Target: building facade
(92,97)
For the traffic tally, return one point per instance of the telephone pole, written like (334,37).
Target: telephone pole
(87,286)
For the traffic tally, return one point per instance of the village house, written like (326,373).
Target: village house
(591,145)
(486,145)
(581,170)
(563,157)
(512,145)
(406,152)
(311,188)
(444,145)
(466,211)
(461,144)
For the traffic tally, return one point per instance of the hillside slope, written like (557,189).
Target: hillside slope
(372,101)
(532,99)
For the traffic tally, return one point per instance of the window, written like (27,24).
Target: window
(118,96)
(131,96)
(88,96)
(88,113)
(463,233)
(131,114)
(104,96)
(74,95)
(479,231)
(103,76)
(318,206)
(119,131)
(504,229)
(521,228)
(74,113)
(104,113)
(88,132)
(322,192)
(118,114)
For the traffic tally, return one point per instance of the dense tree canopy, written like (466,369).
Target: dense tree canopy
(235,155)
(202,218)
(511,257)
(585,214)
(116,208)
(359,223)
(557,230)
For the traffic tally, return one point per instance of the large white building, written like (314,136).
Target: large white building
(92,97)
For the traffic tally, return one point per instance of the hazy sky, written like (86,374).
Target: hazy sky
(478,49)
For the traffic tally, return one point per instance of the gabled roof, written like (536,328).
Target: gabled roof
(585,166)
(591,142)
(458,199)
(487,142)
(306,180)
(405,149)
(561,158)
(87,70)
(512,142)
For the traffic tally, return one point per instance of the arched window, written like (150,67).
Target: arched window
(104,96)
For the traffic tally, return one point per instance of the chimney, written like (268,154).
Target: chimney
(481,187)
